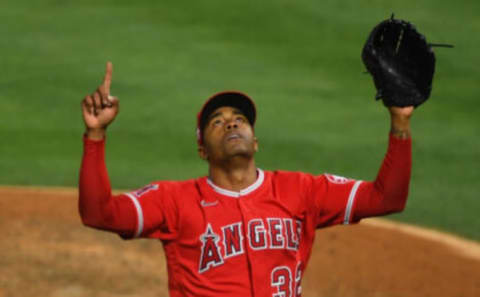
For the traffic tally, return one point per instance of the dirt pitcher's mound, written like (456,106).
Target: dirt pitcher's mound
(45,251)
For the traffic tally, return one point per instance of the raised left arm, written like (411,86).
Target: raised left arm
(389,191)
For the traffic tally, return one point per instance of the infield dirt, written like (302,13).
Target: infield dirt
(46,251)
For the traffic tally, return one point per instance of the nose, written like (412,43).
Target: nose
(231,124)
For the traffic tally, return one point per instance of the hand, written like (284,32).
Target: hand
(100,109)
(400,121)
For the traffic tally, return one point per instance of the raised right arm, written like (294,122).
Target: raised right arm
(97,206)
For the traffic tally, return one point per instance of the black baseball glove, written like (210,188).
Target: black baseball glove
(401,62)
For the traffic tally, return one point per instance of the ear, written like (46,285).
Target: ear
(202,153)
(255,144)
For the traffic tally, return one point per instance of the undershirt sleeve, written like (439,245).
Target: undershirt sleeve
(389,191)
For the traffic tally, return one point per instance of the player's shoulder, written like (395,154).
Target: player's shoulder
(337,179)
(286,174)
(293,186)
(291,178)
(166,188)
(175,186)
(298,176)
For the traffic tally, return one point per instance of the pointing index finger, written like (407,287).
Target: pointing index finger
(107,80)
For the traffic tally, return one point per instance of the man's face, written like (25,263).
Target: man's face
(228,134)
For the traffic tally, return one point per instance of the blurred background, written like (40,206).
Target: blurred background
(299,60)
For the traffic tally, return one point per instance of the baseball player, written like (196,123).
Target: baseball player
(239,230)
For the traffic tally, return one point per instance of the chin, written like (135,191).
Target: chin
(239,151)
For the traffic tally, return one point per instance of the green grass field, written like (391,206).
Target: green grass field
(299,60)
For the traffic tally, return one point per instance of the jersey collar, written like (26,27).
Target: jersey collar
(243,192)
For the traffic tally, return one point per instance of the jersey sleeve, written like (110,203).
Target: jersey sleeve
(333,199)
(156,211)
(339,200)
(147,212)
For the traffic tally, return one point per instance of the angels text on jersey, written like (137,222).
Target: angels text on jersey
(258,234)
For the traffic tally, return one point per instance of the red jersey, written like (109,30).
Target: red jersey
(255,242)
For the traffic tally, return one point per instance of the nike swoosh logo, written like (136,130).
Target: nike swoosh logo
(207,204)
